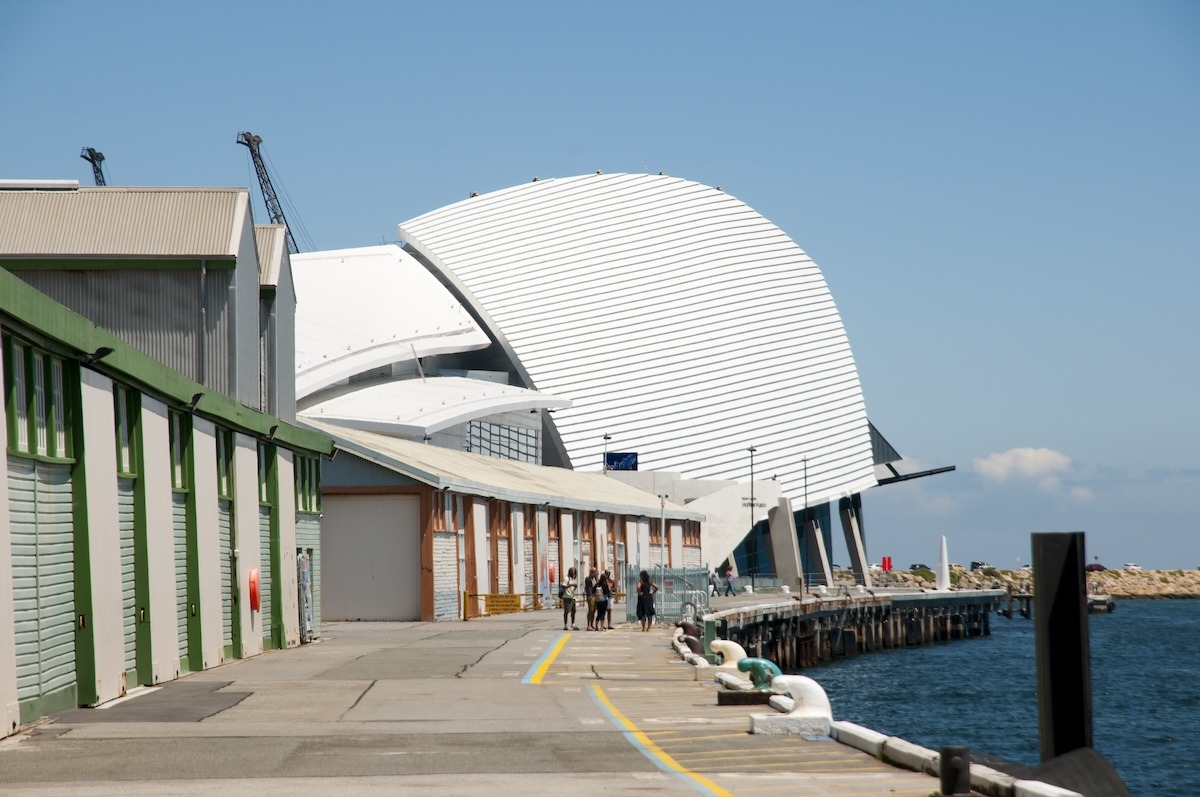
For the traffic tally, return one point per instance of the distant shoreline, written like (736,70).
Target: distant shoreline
(1121,584)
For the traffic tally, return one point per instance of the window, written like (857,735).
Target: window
(265,455)
(125,412)
(179,473)
(36,409)
(224,463)
(308,484)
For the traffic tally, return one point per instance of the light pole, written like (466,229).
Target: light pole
(607,437)
(662,546)
(752,449)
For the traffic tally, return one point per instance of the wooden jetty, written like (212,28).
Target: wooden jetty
(798,631)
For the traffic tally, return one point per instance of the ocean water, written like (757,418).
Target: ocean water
(982,693)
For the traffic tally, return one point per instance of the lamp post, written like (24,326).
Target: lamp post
(662,545)
(752,449)
(607,437)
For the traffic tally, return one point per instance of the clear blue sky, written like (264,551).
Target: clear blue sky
(1004,197)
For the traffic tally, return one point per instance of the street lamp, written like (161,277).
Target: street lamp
(607,437)
(752,449)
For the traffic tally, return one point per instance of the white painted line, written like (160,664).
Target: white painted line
(136,691)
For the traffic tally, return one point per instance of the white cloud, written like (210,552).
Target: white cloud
(1039,466)
(1083,495)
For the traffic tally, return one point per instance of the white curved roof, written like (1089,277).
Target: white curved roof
(414,407)
(358,309)
(677,320)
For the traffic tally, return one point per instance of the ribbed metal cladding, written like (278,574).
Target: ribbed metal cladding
(92,222)
(675,317)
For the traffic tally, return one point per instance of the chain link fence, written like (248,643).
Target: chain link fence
(682,593)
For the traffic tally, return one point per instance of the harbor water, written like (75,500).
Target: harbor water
(983,693)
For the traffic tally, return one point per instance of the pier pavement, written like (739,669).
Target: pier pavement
(498,705)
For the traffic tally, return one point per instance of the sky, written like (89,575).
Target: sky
(1003,197)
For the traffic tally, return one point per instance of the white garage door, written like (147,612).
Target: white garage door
(371,557)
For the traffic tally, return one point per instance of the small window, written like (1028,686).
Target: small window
(125,412)
(177,428)
(225,463)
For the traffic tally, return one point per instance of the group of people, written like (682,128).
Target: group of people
(598,589)
(715,580)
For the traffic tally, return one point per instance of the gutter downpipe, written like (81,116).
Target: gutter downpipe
(200,348)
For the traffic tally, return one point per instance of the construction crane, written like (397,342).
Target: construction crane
(95,158)
(274,210)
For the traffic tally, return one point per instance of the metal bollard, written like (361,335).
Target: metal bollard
(955,770)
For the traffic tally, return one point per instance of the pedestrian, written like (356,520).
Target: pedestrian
(645,599)
(729,590)
(606,588)
(589,590)
(601,603)
(714,583)
(566,591)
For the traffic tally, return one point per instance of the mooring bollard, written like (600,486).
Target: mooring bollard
(955,769)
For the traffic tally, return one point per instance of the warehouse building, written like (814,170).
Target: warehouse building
(160,505)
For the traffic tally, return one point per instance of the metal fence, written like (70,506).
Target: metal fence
(682,593)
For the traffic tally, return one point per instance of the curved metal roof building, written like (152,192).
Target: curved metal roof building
(674,317)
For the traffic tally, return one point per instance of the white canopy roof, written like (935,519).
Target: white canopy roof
(417,407)
(503,479)
(678,320)
(359,309)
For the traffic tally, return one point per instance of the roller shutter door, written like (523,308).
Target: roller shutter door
(503,566)
(267,581)
(127,521)
(530,584)
(445,575)
(179,516)
(43,574)
(308,540)
(225,531)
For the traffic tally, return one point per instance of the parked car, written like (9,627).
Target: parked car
(1095,567)
(1131,566)
(979,565)
(919,567)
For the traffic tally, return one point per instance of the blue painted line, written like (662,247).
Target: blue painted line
(653,755)
(552,650)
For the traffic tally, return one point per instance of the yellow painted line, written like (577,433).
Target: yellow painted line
(539,670)
(653,751)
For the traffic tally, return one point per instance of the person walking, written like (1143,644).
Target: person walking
(645,600)
(729,590)
(589,592)
(714,584)
(567,592)
(606,589)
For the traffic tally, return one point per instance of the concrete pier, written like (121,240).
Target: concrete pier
(502,705)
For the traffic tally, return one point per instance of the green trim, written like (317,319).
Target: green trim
(144,629)
(112,263)
(49,703)
(85,634)
(276,638)
(58,323)
(195,612)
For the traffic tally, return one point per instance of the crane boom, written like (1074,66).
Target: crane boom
(95,158)
(274,210)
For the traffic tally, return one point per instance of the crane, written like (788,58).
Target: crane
(95,158)
(274,210)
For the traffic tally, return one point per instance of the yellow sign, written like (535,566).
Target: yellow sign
(500,604)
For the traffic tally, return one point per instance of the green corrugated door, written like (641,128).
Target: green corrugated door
(308,540)
(265,574)
(225,530)
(179,515)
(43,570)
(128,526)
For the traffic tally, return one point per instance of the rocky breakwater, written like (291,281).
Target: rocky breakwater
(1149,584)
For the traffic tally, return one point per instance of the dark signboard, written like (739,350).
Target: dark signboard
(616,460)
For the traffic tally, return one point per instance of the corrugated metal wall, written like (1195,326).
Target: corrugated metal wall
(157,311)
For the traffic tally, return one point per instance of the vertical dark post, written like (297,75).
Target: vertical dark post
(1064,679)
